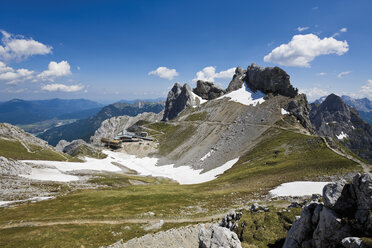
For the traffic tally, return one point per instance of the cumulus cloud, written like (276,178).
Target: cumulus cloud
(367,88)
(164,72)
(209,74)
(62,87)
(303,49)
(300,29)
(17,47)
(343,30)
(12,76)
(55,70)
(314,93)
(342,74)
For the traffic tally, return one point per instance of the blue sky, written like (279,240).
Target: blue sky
(105,50)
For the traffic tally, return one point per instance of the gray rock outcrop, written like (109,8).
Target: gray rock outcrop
(186,237)
(346,212)
(10,167)
(237,80)
(111,127)
(8,131)
(269,80)
(61,145)
(216,236)
(179,97)
(300,108)
(208,90)
(334,118)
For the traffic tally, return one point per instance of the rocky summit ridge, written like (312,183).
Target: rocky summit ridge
(334,118)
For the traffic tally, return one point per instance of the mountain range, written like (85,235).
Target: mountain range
(18,111)
(84,128)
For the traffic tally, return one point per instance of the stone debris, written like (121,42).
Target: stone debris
(346,211)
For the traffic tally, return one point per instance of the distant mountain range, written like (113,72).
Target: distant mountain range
(18,111)
(84,129)
(363,105)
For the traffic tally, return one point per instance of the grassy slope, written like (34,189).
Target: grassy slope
(281,156)
(15,150)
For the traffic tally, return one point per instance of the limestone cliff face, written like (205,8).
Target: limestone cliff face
(265,79)
(208,90)
(179,97)
(334,118)
(111,127)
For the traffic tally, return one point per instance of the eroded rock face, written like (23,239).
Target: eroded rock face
(208,90)
(269,80)
(111,127)
(237,80)
(12,167)
(179,97)
(326,226)
(215,236)
(71,148)
(334,118)
(61,145)
(300,108)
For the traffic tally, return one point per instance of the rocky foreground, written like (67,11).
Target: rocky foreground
(341,221)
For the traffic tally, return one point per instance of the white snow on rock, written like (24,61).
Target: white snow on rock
(245,96)
(298,188)
(284,112)
(206,155)
(47,174)
(198,98)
(33,199)
(144,166)
(342,136)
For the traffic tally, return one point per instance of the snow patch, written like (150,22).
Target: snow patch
(144,166)
(198,98)
(342,136)
(207,155)
(298,188)
(48,174)
(284,112)
(32,199)
(245,96)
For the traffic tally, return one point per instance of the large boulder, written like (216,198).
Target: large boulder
(61,145)
(208,90)
(347,211)
(269,80)
(216,236)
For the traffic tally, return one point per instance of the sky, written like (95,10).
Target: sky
(112,50)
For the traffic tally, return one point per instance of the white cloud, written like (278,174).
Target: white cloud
(12,76)
(62,87)
(17,47)
(315,8)
(300,29)
(164,72)
(55,70)
(342,74)
(209,74)
(322,73)
(343,30)
(303,49)
(314,93)
(367,88)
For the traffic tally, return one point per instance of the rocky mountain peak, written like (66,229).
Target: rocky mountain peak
(179,97)
(269,80)
(208,90)
(334,103)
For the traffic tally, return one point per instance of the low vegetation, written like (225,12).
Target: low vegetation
(16,150)
(281,156)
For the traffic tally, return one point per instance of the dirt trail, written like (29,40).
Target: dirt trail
(366,167)
(109,222)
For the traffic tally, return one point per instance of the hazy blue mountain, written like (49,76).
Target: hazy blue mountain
(19,111)
(83,129)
